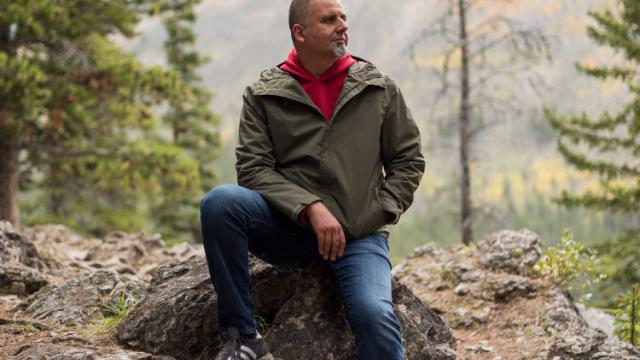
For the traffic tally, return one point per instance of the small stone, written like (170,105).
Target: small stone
(472,276)
(514,288)
(462,289)
(441,287)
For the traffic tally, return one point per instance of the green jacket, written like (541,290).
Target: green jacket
(363,162)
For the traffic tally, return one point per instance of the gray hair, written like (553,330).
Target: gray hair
(298,12)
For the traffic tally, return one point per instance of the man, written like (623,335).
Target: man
(327,155)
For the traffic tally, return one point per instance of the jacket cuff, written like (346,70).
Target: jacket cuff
(301,216)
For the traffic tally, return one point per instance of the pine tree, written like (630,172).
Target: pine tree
(609,145)
(627,320)
(192,124)
(79,118)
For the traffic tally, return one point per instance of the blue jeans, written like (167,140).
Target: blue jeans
(236,220)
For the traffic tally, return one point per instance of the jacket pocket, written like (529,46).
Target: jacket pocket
(371,217)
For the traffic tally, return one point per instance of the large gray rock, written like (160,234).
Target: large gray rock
(15,249)
(511,251)
(77,300)
(303,316)
(20,263)
(573,338)
(66,352)
(21,280)
(598,319)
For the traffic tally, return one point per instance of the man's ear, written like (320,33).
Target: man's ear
(297,32)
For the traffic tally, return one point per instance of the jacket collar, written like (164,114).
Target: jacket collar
(278,82)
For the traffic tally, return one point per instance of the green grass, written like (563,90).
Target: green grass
(117,312)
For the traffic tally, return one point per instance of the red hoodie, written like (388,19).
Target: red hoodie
(324,89)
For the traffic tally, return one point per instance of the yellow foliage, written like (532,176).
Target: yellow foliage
(549,177)
(426,60)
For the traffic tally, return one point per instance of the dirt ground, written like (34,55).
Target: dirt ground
(17,333)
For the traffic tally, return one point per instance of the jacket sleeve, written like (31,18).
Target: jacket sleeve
(255,163)
(401,156)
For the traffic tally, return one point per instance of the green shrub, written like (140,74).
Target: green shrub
(627,320)
(570,263)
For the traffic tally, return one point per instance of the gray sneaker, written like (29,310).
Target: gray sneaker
(237,348)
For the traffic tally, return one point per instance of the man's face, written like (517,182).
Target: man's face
(326,32)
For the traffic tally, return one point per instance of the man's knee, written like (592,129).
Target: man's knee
(371,315)
(377,330)
(221,198)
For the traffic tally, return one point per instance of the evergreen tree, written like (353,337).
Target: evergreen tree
(79,118)
(192,124)
(609,145)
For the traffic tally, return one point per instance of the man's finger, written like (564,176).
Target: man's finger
(336,244)
(327,244)
(343,243)
(321,239)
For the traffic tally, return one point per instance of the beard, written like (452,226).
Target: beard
(340,50)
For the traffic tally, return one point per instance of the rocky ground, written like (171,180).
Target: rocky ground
(498,309)
(59,292)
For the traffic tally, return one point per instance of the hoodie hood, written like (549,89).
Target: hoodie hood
(325,88)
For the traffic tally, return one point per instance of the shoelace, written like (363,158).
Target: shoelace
(236,354)
(236,345)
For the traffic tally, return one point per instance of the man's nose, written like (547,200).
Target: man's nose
(342,25)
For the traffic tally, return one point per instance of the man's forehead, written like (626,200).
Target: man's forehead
(322,7)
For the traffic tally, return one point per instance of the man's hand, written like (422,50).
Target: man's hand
(328,231)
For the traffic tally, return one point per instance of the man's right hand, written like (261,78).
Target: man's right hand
(329,233)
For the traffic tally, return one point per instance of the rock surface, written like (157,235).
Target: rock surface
(78,300)
(65,352)
(20,263)
(488,296)
(597,319)
(304,312)
(17,279)
(135,254)
(15,249)
(511,251)
(496,306)
(575,339)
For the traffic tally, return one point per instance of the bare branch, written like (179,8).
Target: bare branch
(443,80)
(495,72)
(492,22)
(66,152)
(474,132)
(436,27)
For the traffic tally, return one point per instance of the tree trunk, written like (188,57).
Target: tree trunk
(465,111)
(9,179)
